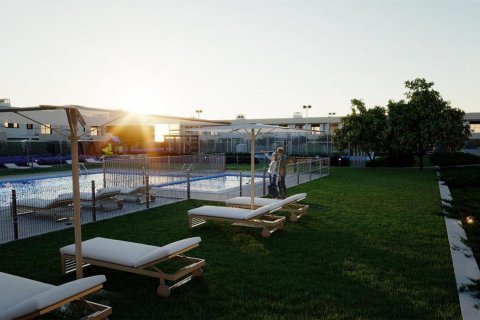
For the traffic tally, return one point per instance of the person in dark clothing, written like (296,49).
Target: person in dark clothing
(282,172)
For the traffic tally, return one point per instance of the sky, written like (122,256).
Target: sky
(262,59)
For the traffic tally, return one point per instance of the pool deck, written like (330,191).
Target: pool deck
(32,224)
(18,175)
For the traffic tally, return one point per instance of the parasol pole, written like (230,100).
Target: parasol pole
(252,169)
(72,115)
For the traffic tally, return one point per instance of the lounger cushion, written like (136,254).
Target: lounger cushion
(245,201)
(26,296)
(87,196)
(166,250)
(126,253)
(294,198)
(40,203)
(260,202)
(229,213)
(132,190)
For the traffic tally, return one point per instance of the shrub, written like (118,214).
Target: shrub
(402,160)
(454,159)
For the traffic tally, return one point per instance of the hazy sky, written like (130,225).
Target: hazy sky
(259,58)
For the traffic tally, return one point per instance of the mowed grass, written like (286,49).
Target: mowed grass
(373,246)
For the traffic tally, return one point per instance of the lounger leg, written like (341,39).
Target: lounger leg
(197,273)
(163,290)
(293,217)
(265,233)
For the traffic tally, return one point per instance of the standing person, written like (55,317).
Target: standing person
(272,172)
(282,172)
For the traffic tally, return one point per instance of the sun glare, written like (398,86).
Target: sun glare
(161,130)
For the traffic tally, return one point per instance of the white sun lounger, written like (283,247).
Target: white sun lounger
(51,206)
(93,160)
(15,167)
(289,204)
(138,194)
(39,166)
(259,218)
(23,298)
(138,258)
(103,197)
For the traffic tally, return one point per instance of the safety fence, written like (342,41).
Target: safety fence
(233,183)
(37,206)
(133,171)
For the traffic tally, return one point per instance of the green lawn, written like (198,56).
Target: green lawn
(464,184)
(373,246)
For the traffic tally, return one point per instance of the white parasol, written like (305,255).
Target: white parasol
(253,130)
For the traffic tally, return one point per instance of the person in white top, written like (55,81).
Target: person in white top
(272,172)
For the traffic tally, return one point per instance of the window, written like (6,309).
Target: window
(94,131)
(46,129)
(29,126)
(299,126)
(475,127)
(11,125)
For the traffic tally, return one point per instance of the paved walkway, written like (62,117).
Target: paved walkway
(464,263)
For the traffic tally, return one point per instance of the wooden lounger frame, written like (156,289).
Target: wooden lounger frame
(179,277)
(295,209)
(269,223)
(55,209)
(99,311)
(140,195)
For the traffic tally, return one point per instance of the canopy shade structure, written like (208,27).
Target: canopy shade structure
(43,114)
(253,130)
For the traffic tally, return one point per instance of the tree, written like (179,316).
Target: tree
(363,128)
(425,121)
(455,131)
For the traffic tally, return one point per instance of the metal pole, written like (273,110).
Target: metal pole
(252,169)
(241,191)
(264,181)
(147,186)
(14,214)
(104,175)
(298,173)
(310,170)
(94,202)
(188,184)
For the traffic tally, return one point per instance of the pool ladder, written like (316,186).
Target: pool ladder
(82,166)
(187,167)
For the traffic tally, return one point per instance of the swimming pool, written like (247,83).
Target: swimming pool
(51,187)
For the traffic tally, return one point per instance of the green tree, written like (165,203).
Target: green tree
(425,121)
(364,129)
(455,130)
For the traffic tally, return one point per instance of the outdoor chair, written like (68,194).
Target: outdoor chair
(52,206)
(93,161)
(138,258)
(15,167)
(290,204)
(23,298)
(39,166)
(105,198)
(258,218)
(137,194)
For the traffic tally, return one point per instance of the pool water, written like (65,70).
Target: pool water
(209,184)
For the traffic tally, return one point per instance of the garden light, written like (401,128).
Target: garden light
(470,219)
